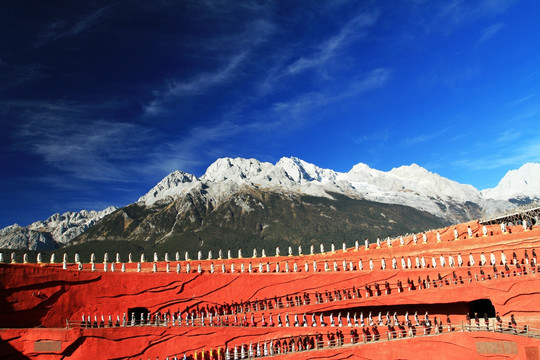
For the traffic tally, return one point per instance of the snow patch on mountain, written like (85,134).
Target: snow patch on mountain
(48,234)
(238,170)
(16,237)
(225,176)
(173,185)
(66,226)
(409,185)
(521,183)
(300,171)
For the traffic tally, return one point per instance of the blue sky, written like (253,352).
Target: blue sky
(99,100)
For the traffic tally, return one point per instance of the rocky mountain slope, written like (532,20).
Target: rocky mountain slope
(254,219)
(517,186)
(49,234)
(16,237)
(247,203)
(245,199)
(407,185)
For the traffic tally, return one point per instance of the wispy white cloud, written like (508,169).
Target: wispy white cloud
(64,28)
(522,150)
(241,45)
(296,112)
(525,113)
(301,105)
(509,136)
(522,100)
(330,49)
(68,138)
(447,16)
(489,32)
(200,144)
(425,137)
(195,146)
(193,87)
(294,59)
(490,7)
(460,11)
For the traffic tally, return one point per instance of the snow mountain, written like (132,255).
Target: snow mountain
(518,186)
(16,237)
(49,234)
(252,204)
(250,196)
(409,185)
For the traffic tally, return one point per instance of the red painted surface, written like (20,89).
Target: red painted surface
(45,295)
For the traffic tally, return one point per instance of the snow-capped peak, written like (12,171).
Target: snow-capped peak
(413,170)
(300,171)
(237,170)
(420,179)
(71,217)
(9,229)
(410,185)
(523,182)
(360,168)
(64,227)
(58,228)
(172,185)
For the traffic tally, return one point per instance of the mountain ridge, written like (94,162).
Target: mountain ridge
(250,219)
(516,183)
(408,185)
(53,232)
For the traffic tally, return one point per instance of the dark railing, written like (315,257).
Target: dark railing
(338,339)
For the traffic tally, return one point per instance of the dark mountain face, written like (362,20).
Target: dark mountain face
(252,204)
(250,219)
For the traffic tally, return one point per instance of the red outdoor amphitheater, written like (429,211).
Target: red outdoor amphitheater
(463,292)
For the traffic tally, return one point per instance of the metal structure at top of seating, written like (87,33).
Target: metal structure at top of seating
(530,212)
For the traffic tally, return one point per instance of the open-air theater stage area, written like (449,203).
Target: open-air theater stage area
(398,299)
